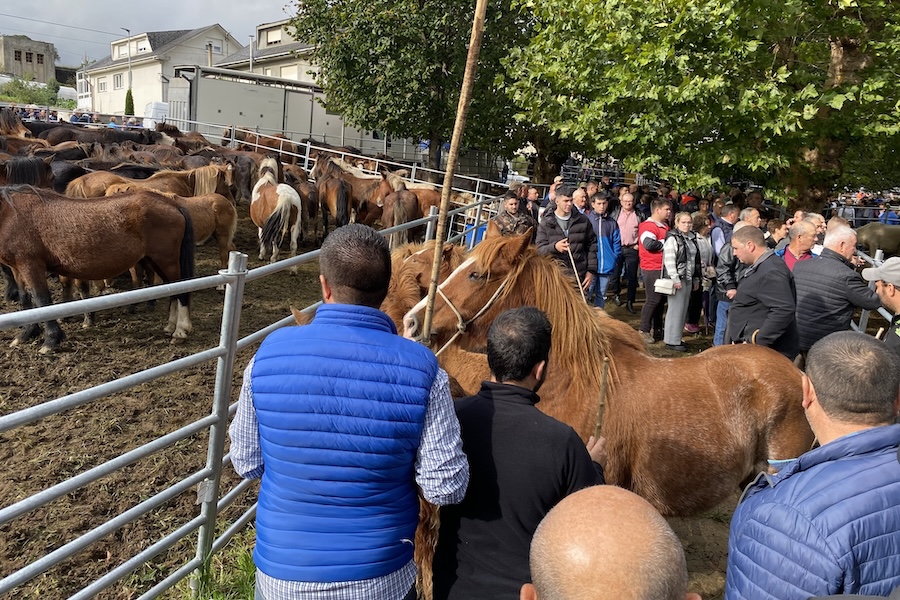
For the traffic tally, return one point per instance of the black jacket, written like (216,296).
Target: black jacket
(582,242)
(828,291)
(763,311)
(521,464)
(728,272)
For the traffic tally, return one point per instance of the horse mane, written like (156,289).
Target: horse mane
(353,169)
(11,125)
(169,129)
(398,183)
(26,170)
(536,280)
(206,180)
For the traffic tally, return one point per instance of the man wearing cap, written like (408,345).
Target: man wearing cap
(550,198)
(887,286)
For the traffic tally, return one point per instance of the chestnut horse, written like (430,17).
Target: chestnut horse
(212,216)
(683,433)
(275,208)
(254,142)
(212,179)
(42,231)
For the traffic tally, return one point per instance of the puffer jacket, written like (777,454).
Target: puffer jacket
(828,291)
(681,257)
(338,499)
(829,523)
(582,242)
(609,242)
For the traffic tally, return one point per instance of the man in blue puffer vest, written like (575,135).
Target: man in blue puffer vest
(342,418)
(829,522)
(609,246)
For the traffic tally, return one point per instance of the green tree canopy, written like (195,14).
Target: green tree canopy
(397,66)
(800,94)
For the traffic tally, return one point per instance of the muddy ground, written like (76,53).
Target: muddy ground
(37,456)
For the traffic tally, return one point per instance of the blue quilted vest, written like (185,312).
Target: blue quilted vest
(341,407)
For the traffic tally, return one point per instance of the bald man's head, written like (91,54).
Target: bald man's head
(606,542)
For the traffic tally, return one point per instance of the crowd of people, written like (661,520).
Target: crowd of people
(684,242)
(344,421)
(32,112)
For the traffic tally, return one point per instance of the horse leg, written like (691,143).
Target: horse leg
(12,288)
(179,319)
(29,332)
(36,284)
(262,248)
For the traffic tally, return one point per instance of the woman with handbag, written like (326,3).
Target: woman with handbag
(681,263)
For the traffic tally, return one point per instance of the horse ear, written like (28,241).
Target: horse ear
(49,159)
(492,231)
(522,242)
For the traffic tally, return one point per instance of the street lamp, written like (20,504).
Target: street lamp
(128,31)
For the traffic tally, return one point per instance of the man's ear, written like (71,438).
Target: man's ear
(527,592)
(809,392)
(537,371)
(326,290)
(692,596)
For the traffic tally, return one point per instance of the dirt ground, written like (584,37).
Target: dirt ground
(40,455)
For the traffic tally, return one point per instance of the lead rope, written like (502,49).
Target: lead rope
(461,323)
(580,286)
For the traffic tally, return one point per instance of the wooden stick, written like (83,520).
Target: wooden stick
(601,407)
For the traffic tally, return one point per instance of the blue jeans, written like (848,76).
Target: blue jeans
(598,288)
(721,322)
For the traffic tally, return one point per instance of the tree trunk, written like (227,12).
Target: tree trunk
(435,146)
(552,152)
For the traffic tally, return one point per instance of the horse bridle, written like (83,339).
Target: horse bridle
(462,324)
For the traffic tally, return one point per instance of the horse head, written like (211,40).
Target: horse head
(470,298)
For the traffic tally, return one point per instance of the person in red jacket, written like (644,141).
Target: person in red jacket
(651,235)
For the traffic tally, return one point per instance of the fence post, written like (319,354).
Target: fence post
(429,229)
(208,490)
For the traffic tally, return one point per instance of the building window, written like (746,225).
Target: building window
(40,58)
(117,82)
(101,84)
(289,72)
(216,46)
(268,72)
(273,36)
(122,51)
(29,57)
(18,55)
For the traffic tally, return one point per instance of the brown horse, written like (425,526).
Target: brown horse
(264,144)
(196,182)
(334,199)
(683,433)
(400,208)
(361,187)
(275,208)
(212,216)
(43,231)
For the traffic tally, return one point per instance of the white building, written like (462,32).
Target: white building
(274,53)
(147,60)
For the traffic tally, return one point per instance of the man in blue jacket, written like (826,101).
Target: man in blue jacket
(609,245)
(829,522)
(341,419)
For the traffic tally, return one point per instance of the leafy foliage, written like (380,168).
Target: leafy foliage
(25,92)
(397,66)
(129,103)
(799,94)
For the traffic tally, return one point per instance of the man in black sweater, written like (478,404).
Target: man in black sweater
(522,463)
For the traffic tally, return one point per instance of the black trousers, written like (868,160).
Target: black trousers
(629,260)
(652,312)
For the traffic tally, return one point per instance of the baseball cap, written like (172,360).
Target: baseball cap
(889,272)
(558,179)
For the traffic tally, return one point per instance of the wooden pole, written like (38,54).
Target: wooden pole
(601,405)
(462,110)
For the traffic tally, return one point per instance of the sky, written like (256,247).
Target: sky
(80,28)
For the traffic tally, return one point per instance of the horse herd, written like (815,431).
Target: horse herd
(89,204)
(684,433)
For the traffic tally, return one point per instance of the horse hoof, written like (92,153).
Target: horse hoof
(176,341)
(46,349)
(168,329)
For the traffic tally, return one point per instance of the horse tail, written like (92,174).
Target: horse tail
(400,217)
(186,254)
(273,228)
(342,206)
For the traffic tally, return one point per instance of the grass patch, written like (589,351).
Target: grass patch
(232,574)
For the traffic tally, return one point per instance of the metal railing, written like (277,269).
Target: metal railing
(207,479)
(864,314)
